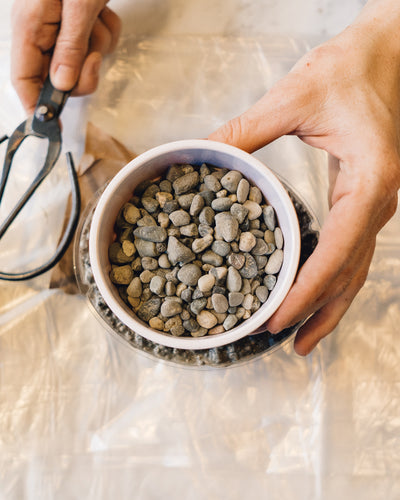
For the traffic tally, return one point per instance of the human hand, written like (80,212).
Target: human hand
(342,97)
(64,37)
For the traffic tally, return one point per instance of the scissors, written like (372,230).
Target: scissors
(44,123)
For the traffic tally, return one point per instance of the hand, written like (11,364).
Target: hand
(65,37)
(343,97)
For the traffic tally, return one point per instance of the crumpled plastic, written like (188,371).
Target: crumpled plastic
(82,414)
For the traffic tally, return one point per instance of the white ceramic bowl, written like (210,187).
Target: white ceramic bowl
(153,163)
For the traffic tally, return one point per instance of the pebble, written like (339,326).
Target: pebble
(212,183)
(146,276)
(163,261)
(221,204)
(262,293)
(178,252)
(254,209)
(189,274)
(221,248)
(206,319)
(131,213)
(198,305)
(255,195)
(219,302)
(236,260)
(242,190)
(230,181)
(157,285)
(212,258)
(186,294)
(233,280)
(274,262)
(190,230)
(248,301)
(121,275)
(249,270)
(207,216)
(170,308)
(200,244)
(239,212)
(220,274)
(149,309)
(205,229)
(196,205)
(227,226)
(170,288)
(270,281)
(163,197)
(185,200)
(206,283)
(149,263)
(156,323)
(247,241)
(150,204)
(260,248)
(134,288)
(216,330)
(235,299)
(163,219)
(230,321)
(156,234)
(185,183)
(179,218)
(269,217)
(278,238)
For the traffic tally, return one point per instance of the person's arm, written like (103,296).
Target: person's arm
(66,38)
(343,97)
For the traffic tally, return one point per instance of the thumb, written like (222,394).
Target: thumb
(71,48)
(277,113)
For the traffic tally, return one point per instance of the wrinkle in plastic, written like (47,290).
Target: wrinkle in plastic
(83,415)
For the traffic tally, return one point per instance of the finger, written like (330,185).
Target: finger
(100,38)
(277,113)
(71,48)
(90,74)
(324,321)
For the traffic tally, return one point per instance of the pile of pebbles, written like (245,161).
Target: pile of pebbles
(197,251)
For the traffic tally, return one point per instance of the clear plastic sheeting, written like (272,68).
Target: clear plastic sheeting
(83,415)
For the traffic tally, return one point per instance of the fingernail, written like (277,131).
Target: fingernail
(65,77)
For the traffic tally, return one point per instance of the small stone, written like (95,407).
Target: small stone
(178,170)
(233,280)
(179,218)
(185,183)
(146,276)
(247,301)
(262,293)
(207,195)
(260,248)
(239,212)
(235,299)
(185,200)
(236,260)
(221,204)
(212,183)
(150,204)
(198,305)
(178,253)
(230,181)
(185,315)
(221,248)
(170,288)
(269,236)
(189,274)
(207,216)
(147,220)
(128,248)
(270,281)
(230,322)
(269,217)
(222,194)
(221,317)
(157,285)
(246,287)
(166,186)
(121,275)
(163,261)
(155,234)
(196,205)
(200,332)
(149,309)
(170,308)
(227,226)
(205,229)
(255,195)
(151,191)
(197,294)
(135,288)
(212,258)
(206,319)
(204,170)
(206,282)
(220,274)
(117,255)
(249,270)
(274,262)
(254,209)
(189,230)
(162,198)
(240,312)
(170,206)
(216,330)
(191,325)
(186,294)
(149,263)
(130,213)
(219,302)
(242,190)
(278,238)
(247,241)
(261,261)
(234,247)
(200,244)
(136,265)
(156,323)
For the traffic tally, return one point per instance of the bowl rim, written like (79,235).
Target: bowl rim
(129,318)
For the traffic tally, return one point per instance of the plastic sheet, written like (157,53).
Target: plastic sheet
(83,415)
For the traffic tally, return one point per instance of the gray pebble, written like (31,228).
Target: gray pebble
(156,234)
(233,280)
(186,295)
(170,206)
(227,226)
(157,285)
(247,241)
(219,302)
(212,258)
(197,294)
(269,217)
(262,293)
(236,260)
(200,244)
(149,309)
(191,325)
(278,238)
(255,195)
(189,230)
(205,229)
(189,274)
(235,299)
(170,288)
(198,305)
(274,262)
(212,183)
(179,218)
(230,181)
(220,274)
(149,263)
(208,196)
(163,261)
(260,248)
(239,212)
(177,252)
(261,261)
(221,248)
(185,200)
(150,204)
(230,321)
(207,216)
(270,281)
(249,270)
(147,220)
(185,183)
(242,190)
(175,171)
(221,204)
(206,283)
(170,308)
(196,205)
(166,186)
(151,191)
(254,209)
